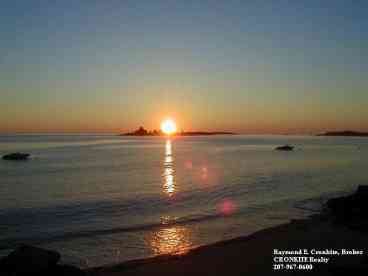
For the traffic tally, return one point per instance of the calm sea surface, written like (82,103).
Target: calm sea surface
(106,199)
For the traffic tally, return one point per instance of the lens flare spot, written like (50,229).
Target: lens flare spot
(227,207)
(188,165)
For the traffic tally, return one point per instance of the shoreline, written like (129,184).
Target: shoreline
(253,254)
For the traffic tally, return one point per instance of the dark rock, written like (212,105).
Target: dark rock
(16,156)
(26,260)
(352,209)
(285,148)
(362,193)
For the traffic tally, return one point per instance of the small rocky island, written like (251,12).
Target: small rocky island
(346,133)
(141,131)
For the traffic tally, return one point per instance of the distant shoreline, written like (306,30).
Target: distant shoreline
(345,133)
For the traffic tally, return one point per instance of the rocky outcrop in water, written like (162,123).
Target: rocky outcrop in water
(16,156)
(285,148)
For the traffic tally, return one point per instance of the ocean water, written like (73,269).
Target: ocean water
(104,199)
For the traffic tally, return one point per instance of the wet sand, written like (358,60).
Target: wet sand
(253,254)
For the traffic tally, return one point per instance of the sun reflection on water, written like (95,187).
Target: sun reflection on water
(168,174)
(173,240)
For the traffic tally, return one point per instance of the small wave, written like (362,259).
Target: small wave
(190,219)
(10,243)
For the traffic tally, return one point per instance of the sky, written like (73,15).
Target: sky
(252,67)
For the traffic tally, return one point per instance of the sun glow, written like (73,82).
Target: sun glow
(168,127)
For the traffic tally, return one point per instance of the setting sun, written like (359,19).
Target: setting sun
(168,126)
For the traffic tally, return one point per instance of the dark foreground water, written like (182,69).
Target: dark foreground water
(106,199)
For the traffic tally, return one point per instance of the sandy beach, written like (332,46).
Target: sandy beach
(253,255)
